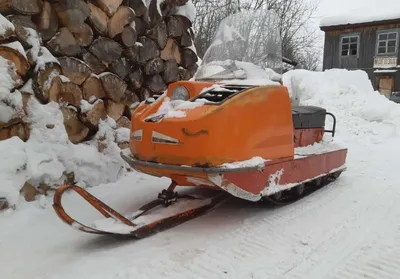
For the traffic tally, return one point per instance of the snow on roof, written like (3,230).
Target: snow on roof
(356,18)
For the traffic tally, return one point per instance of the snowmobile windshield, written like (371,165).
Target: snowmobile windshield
(247,46)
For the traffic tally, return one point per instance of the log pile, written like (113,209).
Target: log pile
(94,57)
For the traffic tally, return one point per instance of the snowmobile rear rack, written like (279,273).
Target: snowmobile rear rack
(123,225)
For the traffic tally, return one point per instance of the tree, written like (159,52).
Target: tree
(298,38)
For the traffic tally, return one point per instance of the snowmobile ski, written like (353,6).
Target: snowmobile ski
(115,223)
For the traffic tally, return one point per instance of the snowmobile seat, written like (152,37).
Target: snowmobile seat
(308,117)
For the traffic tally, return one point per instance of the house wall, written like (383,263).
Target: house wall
(366,50)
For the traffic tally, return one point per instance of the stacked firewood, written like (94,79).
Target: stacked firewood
(94,57)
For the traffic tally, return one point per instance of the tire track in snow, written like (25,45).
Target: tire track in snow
(347,254)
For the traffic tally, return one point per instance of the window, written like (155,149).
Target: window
(387,43)
(349,46)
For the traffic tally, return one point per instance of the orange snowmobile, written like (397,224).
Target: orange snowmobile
(234,128)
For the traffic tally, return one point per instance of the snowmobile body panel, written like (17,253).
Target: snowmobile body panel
(250,183)
(252,121)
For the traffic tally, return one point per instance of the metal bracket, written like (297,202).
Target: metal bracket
(333,131)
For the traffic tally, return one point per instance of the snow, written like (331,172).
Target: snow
(175,108)
(48,154)
(348,229)
(41,57)
(10,102)
(16,46)
(188,10)
(380,13)
(5,25)
(27,87)
(385,71)
(252,162)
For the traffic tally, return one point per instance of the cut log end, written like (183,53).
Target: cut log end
(76,130)
(122,17)
(11,52)
(76,70)
(106,49)
(93,88)
(64,91)
(114,86)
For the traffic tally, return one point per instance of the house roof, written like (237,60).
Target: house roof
(360,19)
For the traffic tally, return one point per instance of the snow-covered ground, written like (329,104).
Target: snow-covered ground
(348,229)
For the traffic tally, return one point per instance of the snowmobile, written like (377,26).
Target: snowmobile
(233,129)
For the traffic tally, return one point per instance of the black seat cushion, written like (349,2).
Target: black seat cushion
(307,117)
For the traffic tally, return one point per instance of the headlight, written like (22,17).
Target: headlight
(180,93)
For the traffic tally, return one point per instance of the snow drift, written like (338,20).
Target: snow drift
(359,109)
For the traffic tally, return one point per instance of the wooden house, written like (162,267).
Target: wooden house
(371,45)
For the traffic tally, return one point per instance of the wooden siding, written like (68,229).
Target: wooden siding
(366,51)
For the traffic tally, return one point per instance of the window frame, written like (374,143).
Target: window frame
(387,32)
(349,36)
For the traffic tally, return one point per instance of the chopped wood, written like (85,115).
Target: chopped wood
(148,50)
(130,98)
(155,83)
(3,203)
(42,79)
(76,130)
(152,14)
(21,130)
(83,35)
(106,49)
(24,7)
(64,91)
(122,17)
(71,13)
(94,64)
(29,192)
(114,110)
(154,66)
(174,26)
(128,36)
(74,69)
(109,6)
(46,21)
(186,39)
(138,6)
(171,51)
(189,58)
(145,93)
(136,79)
(93,88)
(166,9)
(64,43)
(98,19)
(91,118)
(132,53)
(114,86)
(21,24)
(124,122)
(14,52)
(158,34)
(7,30)
(171,72)
(121,67)
(186,74)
